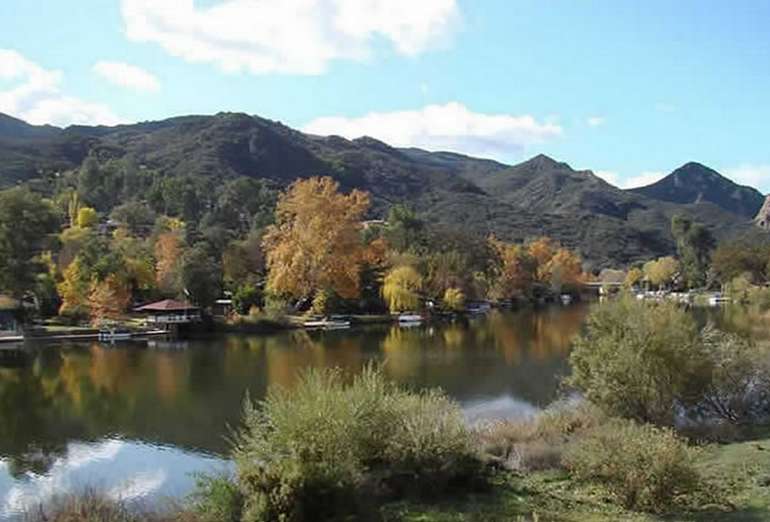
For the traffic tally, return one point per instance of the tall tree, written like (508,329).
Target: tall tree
(169,247)
(694,243)
(25,222)
(201,275)
(315,244)
(515,270)
(401,288)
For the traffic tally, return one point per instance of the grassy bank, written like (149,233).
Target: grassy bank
(740,469)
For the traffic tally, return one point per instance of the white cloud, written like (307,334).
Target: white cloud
(35,95)
(610,176)
(127,75)
(450,127)
(288,36)
(595,121)
(752,175)
(642,180)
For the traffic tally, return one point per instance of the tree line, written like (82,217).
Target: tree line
(309,247)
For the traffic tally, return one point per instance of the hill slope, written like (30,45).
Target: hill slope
(694,183)
(540,196)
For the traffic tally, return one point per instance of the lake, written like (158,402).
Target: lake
(137,420)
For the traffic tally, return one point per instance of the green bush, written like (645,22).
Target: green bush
(324,447)
(650,363)
(538,443)
(738,388)
(91,506)
(644,467)
(216,498)
(639,361)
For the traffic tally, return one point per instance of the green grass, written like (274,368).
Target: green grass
(740,471)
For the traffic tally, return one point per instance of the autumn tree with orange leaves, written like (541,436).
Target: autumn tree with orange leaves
(516,268)
(169,247)
(109,298)
(315,244)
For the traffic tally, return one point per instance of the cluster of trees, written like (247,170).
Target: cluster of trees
(308,247)
(113,233)
(319,251)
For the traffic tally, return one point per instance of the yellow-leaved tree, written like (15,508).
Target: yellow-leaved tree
(565,269)
(542,250)
(454,299)
(633,277)
(109,298)
(515,270)
(662,271)
(87,217)
(401,288)
(74,289)
(169,247)
(315,244)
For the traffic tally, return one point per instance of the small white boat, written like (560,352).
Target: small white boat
(114,334)
(327,323)
(410,318)
(565,299)
(719,299)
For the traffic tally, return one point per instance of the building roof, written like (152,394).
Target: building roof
(8,303)
(167,305)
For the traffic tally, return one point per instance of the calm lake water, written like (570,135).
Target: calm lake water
(137,420)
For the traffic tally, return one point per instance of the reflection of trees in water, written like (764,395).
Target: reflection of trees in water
(748,321)
(539,335)
(187,397)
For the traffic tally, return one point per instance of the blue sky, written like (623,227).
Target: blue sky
(629,89)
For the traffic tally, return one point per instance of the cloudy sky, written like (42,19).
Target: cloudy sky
(629,89)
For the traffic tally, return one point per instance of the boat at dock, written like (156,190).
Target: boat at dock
(114,334)
(327,323)
(410,318)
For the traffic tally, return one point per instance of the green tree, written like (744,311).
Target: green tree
(639,361)
(25,222)
(694,244)
(134,216)
(405,231)
(737,258)
(201,275)
(89,181)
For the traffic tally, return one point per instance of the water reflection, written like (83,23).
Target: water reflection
(180,398)
(127,471)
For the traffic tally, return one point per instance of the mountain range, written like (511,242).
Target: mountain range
(540,196)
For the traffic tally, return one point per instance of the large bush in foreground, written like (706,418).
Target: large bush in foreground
(638,360)
(644,467)
(651,363)
(316,450)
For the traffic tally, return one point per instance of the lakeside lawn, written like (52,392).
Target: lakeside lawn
(742,470)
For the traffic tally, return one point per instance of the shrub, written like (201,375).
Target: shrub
(650,363)
(738,389)
(538,443)
(320,449)
(639,361)
(216,499)
(91,506)
(644,467)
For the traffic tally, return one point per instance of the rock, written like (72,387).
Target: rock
(762,219)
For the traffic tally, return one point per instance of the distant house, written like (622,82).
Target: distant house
(10,316)
(170,311)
